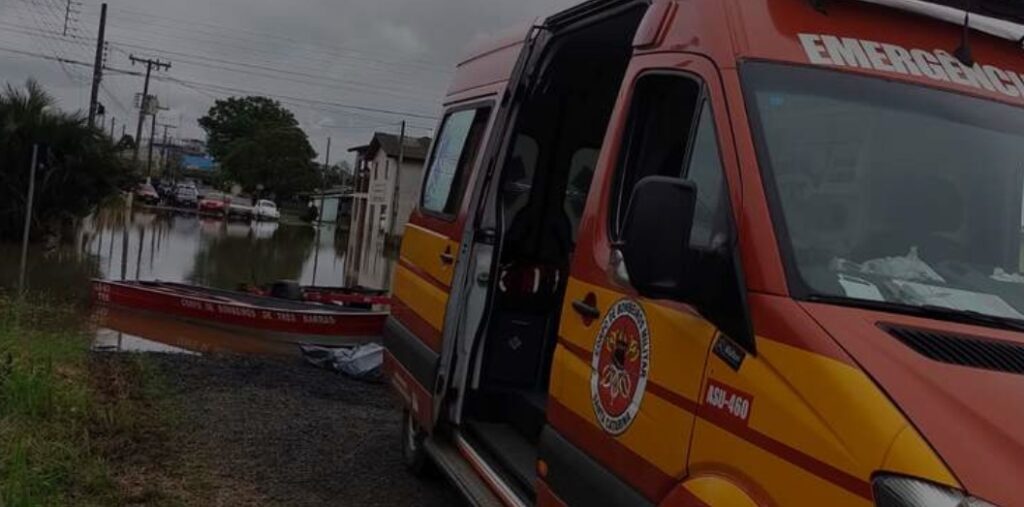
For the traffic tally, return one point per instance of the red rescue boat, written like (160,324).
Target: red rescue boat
(328,322)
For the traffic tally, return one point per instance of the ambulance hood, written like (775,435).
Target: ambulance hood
(953,388)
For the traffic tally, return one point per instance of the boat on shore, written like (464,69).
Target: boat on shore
(329,321)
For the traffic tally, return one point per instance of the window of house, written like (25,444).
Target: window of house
(672,133)
(454,153)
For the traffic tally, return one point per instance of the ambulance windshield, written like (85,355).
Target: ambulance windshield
(892,193)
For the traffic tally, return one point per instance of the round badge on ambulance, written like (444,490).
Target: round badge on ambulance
(620,366)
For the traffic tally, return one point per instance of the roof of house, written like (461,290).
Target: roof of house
(416,148)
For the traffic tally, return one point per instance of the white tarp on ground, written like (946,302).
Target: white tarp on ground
(361,362)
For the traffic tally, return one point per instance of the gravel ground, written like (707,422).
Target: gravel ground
(266,432)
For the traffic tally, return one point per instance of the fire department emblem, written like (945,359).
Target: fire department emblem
(620,365)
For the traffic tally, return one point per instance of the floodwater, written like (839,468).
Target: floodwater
(184,248)
(213,252)
(119,330)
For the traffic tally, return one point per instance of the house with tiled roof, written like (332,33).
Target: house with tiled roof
(376,173)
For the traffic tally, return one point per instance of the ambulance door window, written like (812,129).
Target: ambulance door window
(661,121)
(453,155)
(710,223)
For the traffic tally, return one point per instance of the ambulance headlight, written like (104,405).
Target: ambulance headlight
(896,491)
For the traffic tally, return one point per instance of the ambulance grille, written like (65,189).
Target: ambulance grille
(962,350)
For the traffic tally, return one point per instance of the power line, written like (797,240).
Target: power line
(325,81)
(44,56)
(216,94)
(223,91)
(217,63)
(58,53)
(189,25)
(302,99)
(276,55)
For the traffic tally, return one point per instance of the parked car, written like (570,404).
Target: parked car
(186,196)
(214,203)
(238,210)
(266,210)
(146,194)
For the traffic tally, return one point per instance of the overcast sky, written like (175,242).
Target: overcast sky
(319,57)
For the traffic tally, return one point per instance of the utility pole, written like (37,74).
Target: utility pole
(394,207)
(68,11)
(163,147)
(323,182)
(398,179)
(149,63)
(152,139)
(28,220)
(320,212)
(113,120)
(97,69)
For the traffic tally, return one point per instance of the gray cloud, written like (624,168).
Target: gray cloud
(386,54)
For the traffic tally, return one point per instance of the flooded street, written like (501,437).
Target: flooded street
(185,248)
(213,252)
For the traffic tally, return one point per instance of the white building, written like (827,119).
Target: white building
(376,172)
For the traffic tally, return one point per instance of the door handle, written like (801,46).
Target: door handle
(447,258)
(587,307)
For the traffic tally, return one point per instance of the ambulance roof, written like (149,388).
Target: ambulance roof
(865,37)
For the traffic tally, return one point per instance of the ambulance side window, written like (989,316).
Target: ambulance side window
(454,153)
(661,121)
(710,221)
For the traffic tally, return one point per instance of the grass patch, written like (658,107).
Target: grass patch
(75,429)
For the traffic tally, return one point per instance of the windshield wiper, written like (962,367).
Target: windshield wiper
(926,311)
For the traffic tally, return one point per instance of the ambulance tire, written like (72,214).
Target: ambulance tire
(413,454)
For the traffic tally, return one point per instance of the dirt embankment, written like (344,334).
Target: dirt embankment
(262,432)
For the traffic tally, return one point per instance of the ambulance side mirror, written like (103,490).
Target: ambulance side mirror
(656,235)
(661,264)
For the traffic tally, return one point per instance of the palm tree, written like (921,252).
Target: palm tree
(78,166)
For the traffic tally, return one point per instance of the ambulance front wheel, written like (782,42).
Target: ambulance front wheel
(413,454)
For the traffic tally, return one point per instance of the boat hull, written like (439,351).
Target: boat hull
(284,320)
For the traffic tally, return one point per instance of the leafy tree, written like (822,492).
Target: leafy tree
(126,143)
(259,144)
(279,160)
(338,175)
(78,166)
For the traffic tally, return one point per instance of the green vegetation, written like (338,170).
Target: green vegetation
(260,146)
(78,166)
(74,429)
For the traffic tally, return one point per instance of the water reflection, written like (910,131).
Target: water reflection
(131,331)
(61,273)
(217,253)
(177,248)
(231,253)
